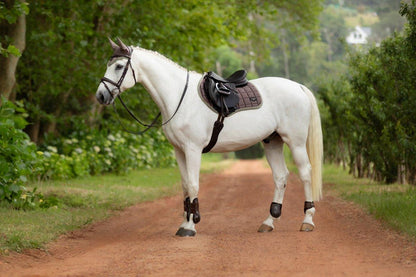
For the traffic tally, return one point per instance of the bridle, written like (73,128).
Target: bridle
(105,80)
(120,81)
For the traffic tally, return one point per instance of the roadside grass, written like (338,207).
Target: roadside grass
(215,162)
(394,204)
(78,202)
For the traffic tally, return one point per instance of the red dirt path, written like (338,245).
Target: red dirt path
(140,241)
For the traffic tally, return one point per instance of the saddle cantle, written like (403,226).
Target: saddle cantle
(227,96)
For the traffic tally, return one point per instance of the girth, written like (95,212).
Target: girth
(227,96)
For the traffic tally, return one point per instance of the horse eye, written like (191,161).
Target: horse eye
(119,67)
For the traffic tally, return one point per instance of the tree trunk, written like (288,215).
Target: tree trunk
(329,41)
(401,173)
(218,67)
(17,34)
(33,131)
(286,53)
(285,49)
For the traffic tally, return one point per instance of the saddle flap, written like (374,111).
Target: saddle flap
(223,96)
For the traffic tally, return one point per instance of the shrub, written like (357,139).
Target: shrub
(17,154)
(254,152)
(95,152)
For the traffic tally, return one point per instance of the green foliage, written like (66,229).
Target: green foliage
(254,152)
(384,78)
(16,156)
(394,207)
(229,60)
(371,123)
(97,152)
(333,31)
(10,50)
(68,47)
(392,203)
(9,13)
(335,114)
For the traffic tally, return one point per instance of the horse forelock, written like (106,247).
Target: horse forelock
(119,53)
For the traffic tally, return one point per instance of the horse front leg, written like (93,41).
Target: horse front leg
(189,164)
(181,160)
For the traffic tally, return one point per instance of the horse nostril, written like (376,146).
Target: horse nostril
(100,97)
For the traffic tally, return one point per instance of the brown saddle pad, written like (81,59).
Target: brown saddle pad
(249,97)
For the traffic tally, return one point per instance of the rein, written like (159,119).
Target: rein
(148,126)
(118,85)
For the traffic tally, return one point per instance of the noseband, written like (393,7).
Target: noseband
(105,80)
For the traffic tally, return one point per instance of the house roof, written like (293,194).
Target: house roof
(359,35)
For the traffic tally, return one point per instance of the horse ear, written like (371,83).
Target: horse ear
(113,44)
(122,45)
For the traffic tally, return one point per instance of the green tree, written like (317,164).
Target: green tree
(333,32)
(382,106)
(12,42)
(67,47)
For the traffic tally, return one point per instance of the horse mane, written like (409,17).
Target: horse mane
(157,54)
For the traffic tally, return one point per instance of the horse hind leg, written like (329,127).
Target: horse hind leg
(301,158)
(276,160)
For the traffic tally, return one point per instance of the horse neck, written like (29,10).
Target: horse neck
(162,78)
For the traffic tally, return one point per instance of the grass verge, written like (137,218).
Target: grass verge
(79,202)
(394,204)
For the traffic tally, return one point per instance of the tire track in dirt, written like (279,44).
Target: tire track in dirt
(140,241)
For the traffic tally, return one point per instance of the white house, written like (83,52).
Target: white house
(359,35)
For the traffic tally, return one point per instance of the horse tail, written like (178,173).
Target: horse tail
(314,147)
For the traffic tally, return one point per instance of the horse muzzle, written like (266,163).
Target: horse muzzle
(104,97)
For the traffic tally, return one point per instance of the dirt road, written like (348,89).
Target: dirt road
(140,241)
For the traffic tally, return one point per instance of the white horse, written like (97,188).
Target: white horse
(289,109)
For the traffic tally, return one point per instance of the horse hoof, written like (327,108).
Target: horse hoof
(182,232)
(265,228)
(306,227)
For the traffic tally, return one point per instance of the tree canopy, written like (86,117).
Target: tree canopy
(372,108)
(67,46)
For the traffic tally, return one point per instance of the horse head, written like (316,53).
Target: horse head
(116,78)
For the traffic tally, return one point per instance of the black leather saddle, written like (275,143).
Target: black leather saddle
(222,92)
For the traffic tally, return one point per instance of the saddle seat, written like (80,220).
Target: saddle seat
(238,78)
